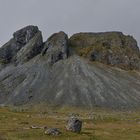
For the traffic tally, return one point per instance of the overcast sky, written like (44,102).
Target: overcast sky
(70,16)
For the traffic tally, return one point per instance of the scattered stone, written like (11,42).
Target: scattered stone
(52,131)
(36,127)
(74,125)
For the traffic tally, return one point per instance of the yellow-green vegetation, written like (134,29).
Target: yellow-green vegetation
(112,48)
(86,51)
(2,61)
(98,124)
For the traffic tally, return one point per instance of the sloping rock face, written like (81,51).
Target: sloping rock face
(71,80)
(74,125)
(31,49)
(111,48)
(56,47)
(24,35)
(29,38)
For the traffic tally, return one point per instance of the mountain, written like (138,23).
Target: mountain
(86,70)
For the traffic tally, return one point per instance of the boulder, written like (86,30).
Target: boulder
(56,47)
(52,131)
(74,125)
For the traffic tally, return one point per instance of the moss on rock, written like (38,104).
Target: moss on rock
(112,48)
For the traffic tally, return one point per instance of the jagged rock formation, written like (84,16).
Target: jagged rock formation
(25,44)
(31,49)
(111,48)
(56,47)
(71,80)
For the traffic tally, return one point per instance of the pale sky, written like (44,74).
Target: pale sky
(71,16)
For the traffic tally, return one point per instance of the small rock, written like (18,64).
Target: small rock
(74,125)
(38,127)
(52,131)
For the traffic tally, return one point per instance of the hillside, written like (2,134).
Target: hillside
(87,70)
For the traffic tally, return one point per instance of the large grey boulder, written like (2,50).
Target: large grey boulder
(20,39)
(74,125)
(56,47)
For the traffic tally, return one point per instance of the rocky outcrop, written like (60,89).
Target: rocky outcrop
(31,49)
(23,36)
(111,48)
(74,125)
(28,36)
(56,47)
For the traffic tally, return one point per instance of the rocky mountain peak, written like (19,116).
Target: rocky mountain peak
(56,47)
(29,38)
(23,35)
(73,78)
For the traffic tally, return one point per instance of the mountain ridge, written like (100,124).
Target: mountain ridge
(54,72)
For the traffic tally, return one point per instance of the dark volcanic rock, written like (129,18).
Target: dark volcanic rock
(20,39)
(112,48)
(74,125)
(56,47)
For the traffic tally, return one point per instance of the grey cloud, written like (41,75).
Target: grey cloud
(70,15)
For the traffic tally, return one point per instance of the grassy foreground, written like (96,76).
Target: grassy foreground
(98,124)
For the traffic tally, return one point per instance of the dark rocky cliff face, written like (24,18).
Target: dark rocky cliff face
(33,71)
(28,38)
(56,47)
(111,48)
